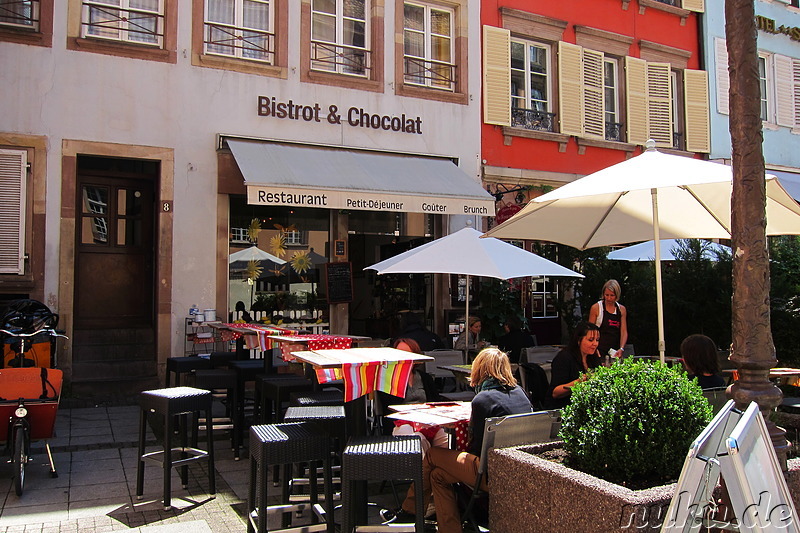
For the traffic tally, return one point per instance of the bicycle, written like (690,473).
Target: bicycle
(30,393)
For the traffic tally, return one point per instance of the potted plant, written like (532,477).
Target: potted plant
(624,436)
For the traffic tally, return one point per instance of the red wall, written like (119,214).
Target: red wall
(655,26)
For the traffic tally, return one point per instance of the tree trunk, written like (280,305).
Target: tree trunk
(752,350)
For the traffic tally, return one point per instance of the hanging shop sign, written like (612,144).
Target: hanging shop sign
(768,25)
(356,117)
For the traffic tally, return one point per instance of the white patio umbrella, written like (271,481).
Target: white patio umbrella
(652,195)
(646,251)
(254,253)
(464,252)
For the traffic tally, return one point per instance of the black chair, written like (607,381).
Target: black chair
(533,380)
(185,365)
(504,432)
(716,397)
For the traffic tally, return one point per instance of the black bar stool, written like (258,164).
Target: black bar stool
(325,397)
(168,404)
(285,445)
(222,379)
(273,391)
(185,365)
(379,458)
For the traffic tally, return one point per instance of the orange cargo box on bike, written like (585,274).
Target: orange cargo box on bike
(40,385)
(39,354)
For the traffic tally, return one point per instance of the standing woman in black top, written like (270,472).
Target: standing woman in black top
(612,318)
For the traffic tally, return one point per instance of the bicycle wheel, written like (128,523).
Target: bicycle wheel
(19,460)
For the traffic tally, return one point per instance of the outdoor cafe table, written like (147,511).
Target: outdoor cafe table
(449,415)
(363,371)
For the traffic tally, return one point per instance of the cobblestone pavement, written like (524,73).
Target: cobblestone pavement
(94,450)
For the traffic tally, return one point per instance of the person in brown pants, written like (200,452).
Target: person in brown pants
(497,395)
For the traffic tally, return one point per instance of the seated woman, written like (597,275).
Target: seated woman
(570,365)
(699,355)
(469,340)
(498,395)
(420,389)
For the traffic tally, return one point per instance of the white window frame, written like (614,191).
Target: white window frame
(612,116)
(122,32)
(548,77)
(339,46)
(28,21)
(240,235)
(239,33)
(767,84)
(427,59)
(13,202)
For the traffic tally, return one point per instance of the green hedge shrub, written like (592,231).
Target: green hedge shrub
(633,422)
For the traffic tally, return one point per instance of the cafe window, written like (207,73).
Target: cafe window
(543,297)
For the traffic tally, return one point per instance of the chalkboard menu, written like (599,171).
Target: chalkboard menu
(339,281)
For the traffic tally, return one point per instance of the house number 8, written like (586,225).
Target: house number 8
(166,207)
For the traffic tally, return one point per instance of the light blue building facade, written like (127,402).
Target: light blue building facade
(778,23)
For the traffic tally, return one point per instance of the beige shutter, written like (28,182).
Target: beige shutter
(784,104)
(13,165)
(796,78)
(698,134)
(496,76)
(594,121)
(636,99)
(723,78)
(659,104)
(570,101)
(694,5)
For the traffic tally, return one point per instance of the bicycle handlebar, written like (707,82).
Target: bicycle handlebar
(49,331)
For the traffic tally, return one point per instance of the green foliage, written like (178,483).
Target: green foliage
(499,300)
(785,297)
(633,421)
(264,302)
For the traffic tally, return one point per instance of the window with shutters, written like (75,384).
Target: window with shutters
(531,101)
(13,172)
(765,86)
(428,46)
(613,122)
(242,29)
(339,36)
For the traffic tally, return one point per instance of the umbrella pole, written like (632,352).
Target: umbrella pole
(659,296)
(466,320)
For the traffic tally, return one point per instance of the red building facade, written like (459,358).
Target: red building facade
(571,87)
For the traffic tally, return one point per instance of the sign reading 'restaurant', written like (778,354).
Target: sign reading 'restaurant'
(371,201)
(354,116)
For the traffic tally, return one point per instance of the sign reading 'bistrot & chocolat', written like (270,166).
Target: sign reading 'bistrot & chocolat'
(356,117)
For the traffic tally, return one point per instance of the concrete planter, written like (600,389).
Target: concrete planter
(531,494)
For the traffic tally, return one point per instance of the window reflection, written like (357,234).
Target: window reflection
(94,201)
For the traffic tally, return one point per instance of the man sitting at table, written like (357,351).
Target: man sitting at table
(497,395)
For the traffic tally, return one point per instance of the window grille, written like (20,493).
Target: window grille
(21,14)
(241,29)
(133,21)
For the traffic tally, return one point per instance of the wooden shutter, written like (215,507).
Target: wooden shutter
(636,99)
(694,5)
(496,76)
(723,78)
(784,100)
(698,134)
(13,165)
(659,104)
(594,120)
(570,101)
(796,78)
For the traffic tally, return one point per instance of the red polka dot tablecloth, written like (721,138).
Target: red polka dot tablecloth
(313,342)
